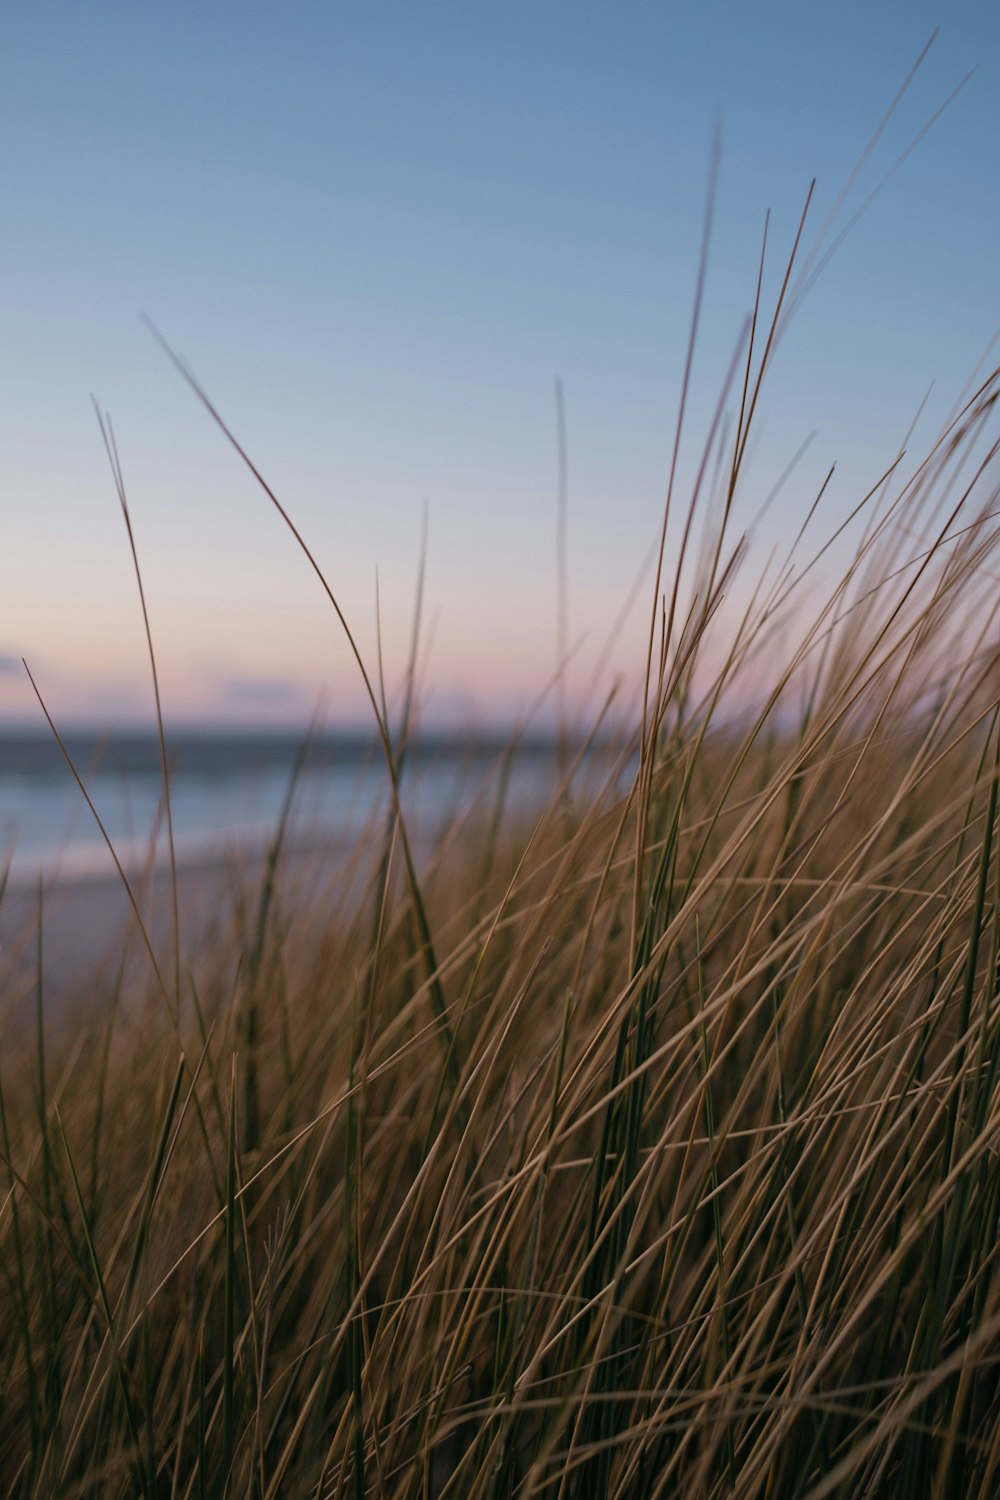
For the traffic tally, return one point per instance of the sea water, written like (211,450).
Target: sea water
(230,789)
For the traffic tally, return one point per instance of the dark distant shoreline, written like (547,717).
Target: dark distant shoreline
(28,752)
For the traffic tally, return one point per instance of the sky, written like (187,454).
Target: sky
(378,233)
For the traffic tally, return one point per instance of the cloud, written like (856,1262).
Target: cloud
(115,697)
(9,665)
(262,691)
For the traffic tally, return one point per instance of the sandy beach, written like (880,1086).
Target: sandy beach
(90,927)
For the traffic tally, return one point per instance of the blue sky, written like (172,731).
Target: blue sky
(378,232)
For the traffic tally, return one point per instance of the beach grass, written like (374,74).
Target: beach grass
(646,1146)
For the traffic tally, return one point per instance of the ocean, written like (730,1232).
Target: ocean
(228,790)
